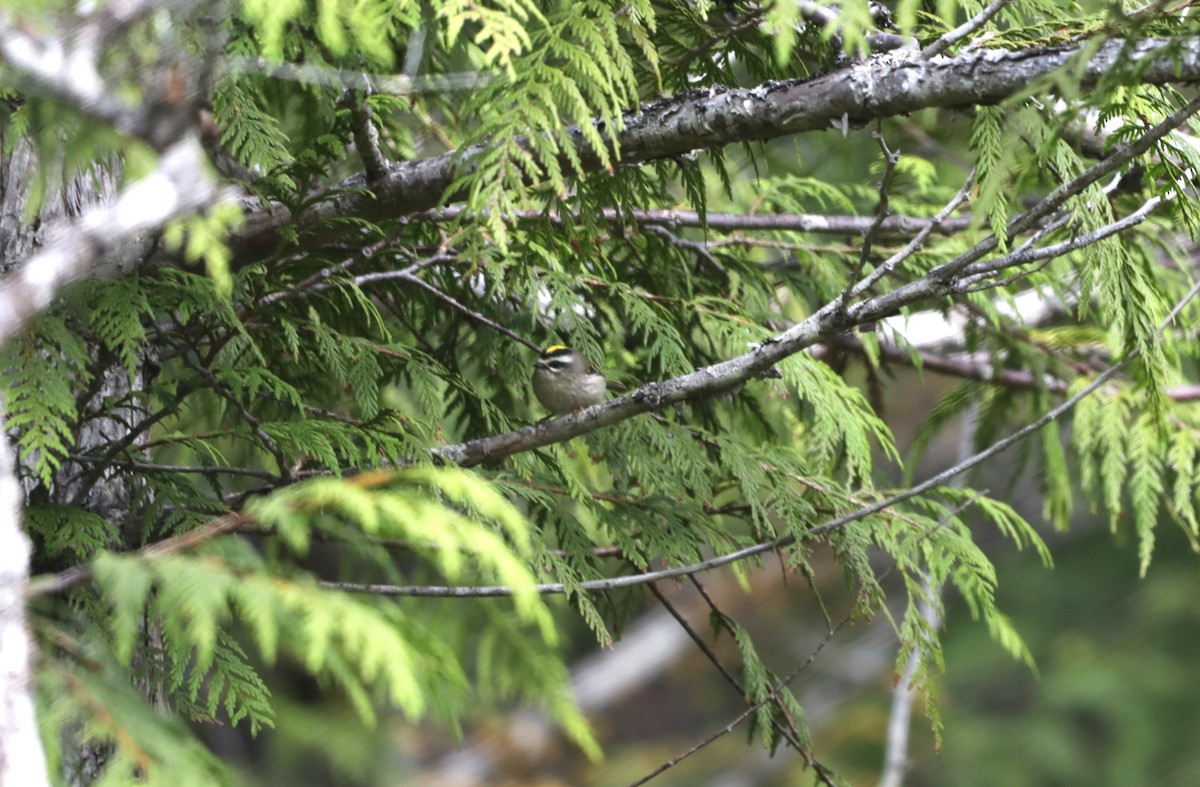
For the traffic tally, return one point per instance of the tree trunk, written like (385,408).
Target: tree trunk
(24,227)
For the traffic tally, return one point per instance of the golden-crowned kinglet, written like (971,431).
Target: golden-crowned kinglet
(564,381)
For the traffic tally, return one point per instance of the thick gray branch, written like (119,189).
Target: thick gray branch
(884,86)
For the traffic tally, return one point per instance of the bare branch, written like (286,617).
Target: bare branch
(972,274)
(788,731)
(323,279)
(150,467)
(699,247)
(882,211)
(964,30)
(822,773)
(893,226)
(64,580)
(393,85)
(469,312)
(964,367)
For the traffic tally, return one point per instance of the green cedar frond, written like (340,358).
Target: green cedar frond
(250,134)
(994,155)
(230,684)
(149,747)
(66,530)
(840,421)
(41,370)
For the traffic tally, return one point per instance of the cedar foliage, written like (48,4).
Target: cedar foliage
(304,387)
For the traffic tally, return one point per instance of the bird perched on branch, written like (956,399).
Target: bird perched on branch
(565,382)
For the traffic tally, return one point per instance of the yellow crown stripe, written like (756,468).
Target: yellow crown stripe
(555,348)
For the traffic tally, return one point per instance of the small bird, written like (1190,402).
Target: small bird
(564,382)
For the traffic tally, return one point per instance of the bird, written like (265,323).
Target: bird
(565,382)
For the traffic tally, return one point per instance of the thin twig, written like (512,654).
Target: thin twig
(150,467)
(320,280)
(787,727)
(882,209)
(788,734)
(474,315)
(970,274)
(699,247)
(1053,201)
(888,265)
(963,30)
(964,367)
(392,85)
(822,772)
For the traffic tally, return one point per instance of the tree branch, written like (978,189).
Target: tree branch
(64,580)
(883,86)
(829,320)
(893,226)
(769,546)
(789,733)
(234,521)
(882,211)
